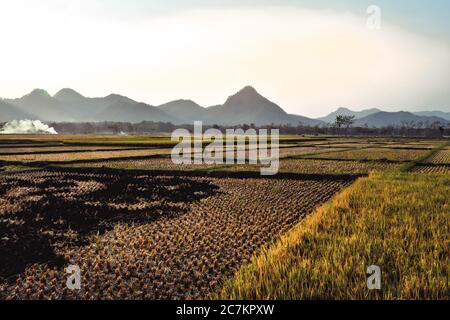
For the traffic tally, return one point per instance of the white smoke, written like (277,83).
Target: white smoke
(27,127)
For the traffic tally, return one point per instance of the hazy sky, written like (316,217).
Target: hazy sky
(308,56)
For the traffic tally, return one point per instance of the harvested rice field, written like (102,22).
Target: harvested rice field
(375,154)
(141,236)
(441,157)
(303,166)
(71,156)
(432,169)
(144,164)
(139,226)
(317,166)
(333,167)
(55,149)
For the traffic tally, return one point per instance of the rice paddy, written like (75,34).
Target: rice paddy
(441,157)
(141,236)
(141,227)
(375,154)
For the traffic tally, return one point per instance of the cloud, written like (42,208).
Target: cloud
(27,127)
(308,61)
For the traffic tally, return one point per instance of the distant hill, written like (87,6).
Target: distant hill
(87,109)
(439,114)
(383,119)
(67,105)
(133,112)
(185,111)
(43,106)
(9,112)
(331,118)
(248,106)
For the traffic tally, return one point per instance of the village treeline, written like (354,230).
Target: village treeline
(344,125)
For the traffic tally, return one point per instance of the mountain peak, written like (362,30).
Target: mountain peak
(38,93)
(247,94)
(342,109)
(248,90)
(68,94)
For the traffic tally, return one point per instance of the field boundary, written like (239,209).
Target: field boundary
(419,162)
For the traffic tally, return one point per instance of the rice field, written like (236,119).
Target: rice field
(36,149)
(432,169)
(301,166)
(141,227)
(88,155)
(375,154)
(140,236)
(388,220)
(441,157)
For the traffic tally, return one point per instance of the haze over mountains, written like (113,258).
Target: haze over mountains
(377,118)
(246,106)
(347,112)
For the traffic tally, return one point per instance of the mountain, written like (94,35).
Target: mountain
(9,112)
(69,96)
(439,114)
(86,109)
(66,105)
(245,107)
(122,111)
(331,118)
(186,111)
(44,106)
(78,106)
(248,106)
(383,119)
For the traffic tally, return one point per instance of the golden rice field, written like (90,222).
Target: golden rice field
(389,220)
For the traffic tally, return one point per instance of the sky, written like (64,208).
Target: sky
(310,57)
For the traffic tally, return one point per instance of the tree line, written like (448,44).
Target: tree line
(343,126)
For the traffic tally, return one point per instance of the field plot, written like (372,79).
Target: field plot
(5,145)
(432,169)
(333,167)
(317,166)
(441,157)
(20,150)
(344,146)
(71,156)
(145,164)
(136,235)
(301,166)
(299,151)
(375,154)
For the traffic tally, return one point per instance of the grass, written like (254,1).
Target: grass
(398,221)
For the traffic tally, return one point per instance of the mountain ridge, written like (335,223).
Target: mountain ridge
(246,106)
(330,118)
(383,119)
